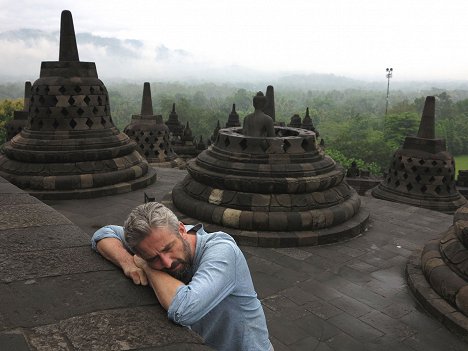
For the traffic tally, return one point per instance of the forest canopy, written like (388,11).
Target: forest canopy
(352,122)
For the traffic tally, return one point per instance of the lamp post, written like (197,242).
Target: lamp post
(389,75)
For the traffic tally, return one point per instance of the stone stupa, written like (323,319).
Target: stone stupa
(422,172)
(20,118)
(267,190)
(438,275)
(70,147)
(151,135)
(233,119)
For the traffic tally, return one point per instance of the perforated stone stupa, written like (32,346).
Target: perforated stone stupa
(20,118)
(233,119)
(151,135)
(70,147)
(422,172)
(269,191)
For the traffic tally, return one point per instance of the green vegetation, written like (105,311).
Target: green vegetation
(7,107)
(461,163)
(351,121)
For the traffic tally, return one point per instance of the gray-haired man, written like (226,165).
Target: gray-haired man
(201,279)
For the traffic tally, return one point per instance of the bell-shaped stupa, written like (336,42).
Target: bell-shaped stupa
(151,135)
(422,172)
(295,122)
(308,124)
(175,127)
(20,118)
(70,147)
(233,119)
(267,190)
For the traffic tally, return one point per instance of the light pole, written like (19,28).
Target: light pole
(389,75)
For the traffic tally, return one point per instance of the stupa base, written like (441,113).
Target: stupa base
(453,319)
(119,188)
(351,228)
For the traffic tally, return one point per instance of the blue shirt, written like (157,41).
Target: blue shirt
(220,302)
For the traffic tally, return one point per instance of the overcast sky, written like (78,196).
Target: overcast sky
(421,40)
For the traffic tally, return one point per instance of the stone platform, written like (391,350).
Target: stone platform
(351,295)
(57,294)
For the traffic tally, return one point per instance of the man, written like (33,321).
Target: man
(201,279)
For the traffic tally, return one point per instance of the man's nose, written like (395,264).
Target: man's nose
(165,260)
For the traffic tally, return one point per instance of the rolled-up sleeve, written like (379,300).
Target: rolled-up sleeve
(212,282)
(109,231)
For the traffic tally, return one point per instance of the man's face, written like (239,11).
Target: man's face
(168,252)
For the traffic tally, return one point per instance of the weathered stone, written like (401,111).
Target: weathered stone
(271,181)
(422,171)
(69,125)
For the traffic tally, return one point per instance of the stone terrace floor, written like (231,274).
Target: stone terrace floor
(346,296)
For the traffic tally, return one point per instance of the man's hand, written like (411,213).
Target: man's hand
(140,263)
(135,273)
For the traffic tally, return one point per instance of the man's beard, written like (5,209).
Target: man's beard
(184,266)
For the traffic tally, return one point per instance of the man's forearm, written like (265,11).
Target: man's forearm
(164,285)
(113,250)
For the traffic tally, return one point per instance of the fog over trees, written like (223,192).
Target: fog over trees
(352,121)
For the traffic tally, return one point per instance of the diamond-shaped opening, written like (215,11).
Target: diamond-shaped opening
(305,144)
(438,189)
(409,160)
(397,183)
(71,100)
(91,90)
(77,88)
(405,175)
(151,146)
(80,111)
(418,178)
(226,141)
(103,121)
(64,111)
(95,110)
(431,179)
(48,112)
(137,139)
(55,124)
(146,139)
(72,123)
(101,88)
(142,146)
(402,166)
(400,157)
(243,144)
(414,168)
(46,89)
(31,100)
(54,100)
(89,122)
(87,100)
(142,133)
(62,89)
(151,133)
(161,146)
(421,162)
(423,189)
(40,123)
(286,145)
(99,100)
(445,163)
(389,180)
(434,162)
(37,89)
(409,187)
(444,180)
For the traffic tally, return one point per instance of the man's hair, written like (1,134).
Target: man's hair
(146,217)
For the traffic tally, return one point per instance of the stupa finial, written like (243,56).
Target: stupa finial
(173,107)
(307,112)
(146,102)
(27,95)
(427,125)
(68,49)
(233,108)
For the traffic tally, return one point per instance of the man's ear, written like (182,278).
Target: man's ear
(182,230)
